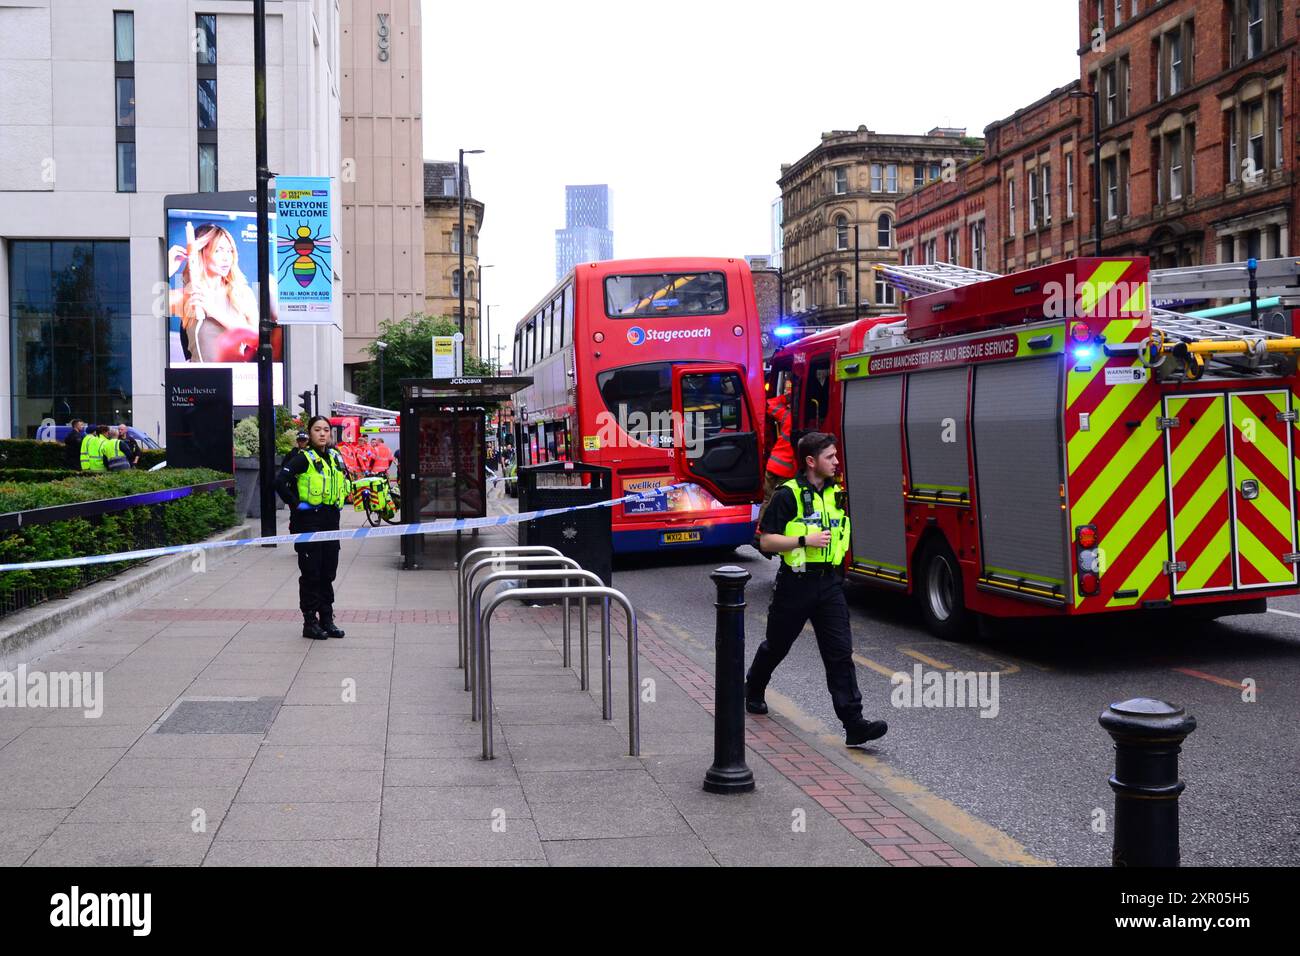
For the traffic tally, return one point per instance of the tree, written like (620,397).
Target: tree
(409,355)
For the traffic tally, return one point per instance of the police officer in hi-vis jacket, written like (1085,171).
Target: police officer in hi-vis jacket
(807,526)
(314,483)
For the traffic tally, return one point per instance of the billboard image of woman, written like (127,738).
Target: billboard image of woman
(212,298)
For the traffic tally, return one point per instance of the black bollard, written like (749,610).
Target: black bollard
(729,773)
(1148,737)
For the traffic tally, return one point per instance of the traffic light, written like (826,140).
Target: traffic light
(304,402)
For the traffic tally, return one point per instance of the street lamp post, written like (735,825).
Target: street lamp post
(460,196)
(857,269)
(265,380)
(382,346)
(1095,95)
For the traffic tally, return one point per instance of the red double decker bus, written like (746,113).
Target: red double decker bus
(635,362)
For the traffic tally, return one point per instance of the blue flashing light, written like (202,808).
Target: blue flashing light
(783,331)
(1083,354)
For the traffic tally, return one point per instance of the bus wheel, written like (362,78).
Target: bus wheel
(940,593)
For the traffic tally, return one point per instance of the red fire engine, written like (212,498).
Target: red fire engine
(1047,443)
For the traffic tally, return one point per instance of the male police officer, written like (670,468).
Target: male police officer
(806,525)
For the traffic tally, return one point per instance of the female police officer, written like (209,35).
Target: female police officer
(805,524)
(314,483)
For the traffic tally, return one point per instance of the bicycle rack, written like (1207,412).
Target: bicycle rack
(464,564)
(515,563)
(565,574)
(633,672)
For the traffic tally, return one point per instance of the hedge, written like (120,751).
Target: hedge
(23,475)
(183,521)
(22,453)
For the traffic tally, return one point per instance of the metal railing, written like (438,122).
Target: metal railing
(465,564)
(606,595)
(568,571)
(509,562)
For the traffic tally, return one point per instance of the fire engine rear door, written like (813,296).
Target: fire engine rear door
(715,432)
(1200,508)
(1263,477)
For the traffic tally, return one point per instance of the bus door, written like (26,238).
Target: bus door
(715,433)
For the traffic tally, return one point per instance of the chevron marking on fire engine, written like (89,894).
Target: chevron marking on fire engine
(1118,330)
(1093,290)
(1264,533)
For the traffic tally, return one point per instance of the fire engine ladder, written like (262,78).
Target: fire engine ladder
(1227,280)
(1195,340)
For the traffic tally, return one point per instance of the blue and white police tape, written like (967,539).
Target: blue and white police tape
(385,531)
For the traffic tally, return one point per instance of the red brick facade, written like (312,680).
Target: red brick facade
(1197,141)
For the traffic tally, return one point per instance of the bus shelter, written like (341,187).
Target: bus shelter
(444,430)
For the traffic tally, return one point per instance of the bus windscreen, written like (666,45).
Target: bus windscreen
(665,294)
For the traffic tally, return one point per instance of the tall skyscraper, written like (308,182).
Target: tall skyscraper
(586,236)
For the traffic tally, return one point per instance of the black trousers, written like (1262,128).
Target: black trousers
(318,562)
(797,599)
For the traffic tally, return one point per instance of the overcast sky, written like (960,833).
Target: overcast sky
(688,109)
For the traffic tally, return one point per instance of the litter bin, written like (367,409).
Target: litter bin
(584,535)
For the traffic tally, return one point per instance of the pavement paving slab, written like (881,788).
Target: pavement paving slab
(361,751)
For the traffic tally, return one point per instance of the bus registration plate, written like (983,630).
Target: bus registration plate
(680,537)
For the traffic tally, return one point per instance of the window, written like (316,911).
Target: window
(1255,138)
(1069,185)
(124,37)
(1173,148)
(977,246)
(1275,107)
(207,104)
(841,180)
(931,251)
(905,257)
(1031,178)
(665,294)
(1101,14)
(568,313)
(1112,93)
(1230,119)
(69,332)
(647,389)
(205,59)
(1011,207)
(1254,28)
(455,282)
(877,178)
(841,233)
(891,178)
(1119,12)
(205,38)
(952,246)
(207,167)
(125,101)
(455,238)
(918,176)
(884,292)
(841,289)
(126,167)
(884,231)
(1045,181)
(1110,172)
(934,171)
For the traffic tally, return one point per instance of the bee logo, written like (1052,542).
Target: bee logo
(310,257)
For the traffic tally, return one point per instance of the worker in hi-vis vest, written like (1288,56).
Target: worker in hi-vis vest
(780,461)
(314,483)
(93,447)
(806,524)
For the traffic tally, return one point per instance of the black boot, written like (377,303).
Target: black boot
(327,623)
(311,627)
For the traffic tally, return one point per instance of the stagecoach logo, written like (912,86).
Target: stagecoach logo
(636,335)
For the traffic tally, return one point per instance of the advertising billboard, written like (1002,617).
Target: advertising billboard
(304,274)
(212,294)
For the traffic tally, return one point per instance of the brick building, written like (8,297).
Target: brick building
(1197,152)
(1015,207)
(853,178)
(1197,126)
(767,297)
(442,277)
